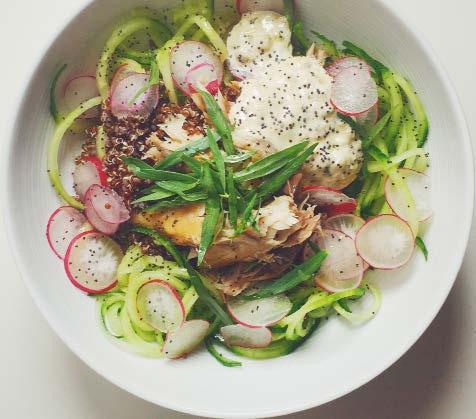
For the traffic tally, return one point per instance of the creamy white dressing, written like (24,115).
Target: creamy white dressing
(256,41)
(288,103)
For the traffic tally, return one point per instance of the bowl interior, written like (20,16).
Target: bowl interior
(339,357)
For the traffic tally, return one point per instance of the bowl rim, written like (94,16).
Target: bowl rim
(8,210)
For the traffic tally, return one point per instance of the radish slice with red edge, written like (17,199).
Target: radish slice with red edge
(245,6)
(349,224)
(195,56)
(258,313)
(79,90)
(121,73)
(385,242)
(246,337)
(368,119)
(354,91)
(342,262)
(108,205)
(344,63)
(329,200)
(96,221)
(88,172)
(185,339)
(160,306)
(330,284)
(63,226)
(203,75)
(91,262)
(125,102)
(419,185)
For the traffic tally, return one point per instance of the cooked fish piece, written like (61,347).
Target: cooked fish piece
(233,280)
(281,224)
(183,225)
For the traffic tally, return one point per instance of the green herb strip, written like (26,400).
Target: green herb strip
(273,185)
(218,158)
(247,215)
(329,46)
(212,214)
(220,121)
(270,164)
(232,199)
(189,150)
(296,276)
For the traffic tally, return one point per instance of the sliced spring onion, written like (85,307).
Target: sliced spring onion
(364,315)
(53,149)
(270,164)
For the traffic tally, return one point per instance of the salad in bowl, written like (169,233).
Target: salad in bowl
(241,177)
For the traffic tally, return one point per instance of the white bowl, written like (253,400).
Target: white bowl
(338,358)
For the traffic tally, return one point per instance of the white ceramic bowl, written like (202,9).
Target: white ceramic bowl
(339,358)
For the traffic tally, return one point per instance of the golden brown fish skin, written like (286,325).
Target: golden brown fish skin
(183,225)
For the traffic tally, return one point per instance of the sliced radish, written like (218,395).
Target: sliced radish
(332,201)
(121,73)
(419,185)
(344,63)
(96,221)
(385,242)
(160,306)
(108,205)
(246,337)
(258,313)
(91,262)
(63,226)
(348,224)
(368,119)
(354,91)
(245,6)
(127,101)
(88,172)
(203,75)
(185,339)
(343,268)
(77,91)
(195,57)
(330,284)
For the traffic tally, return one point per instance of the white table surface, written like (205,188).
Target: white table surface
(41,378)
